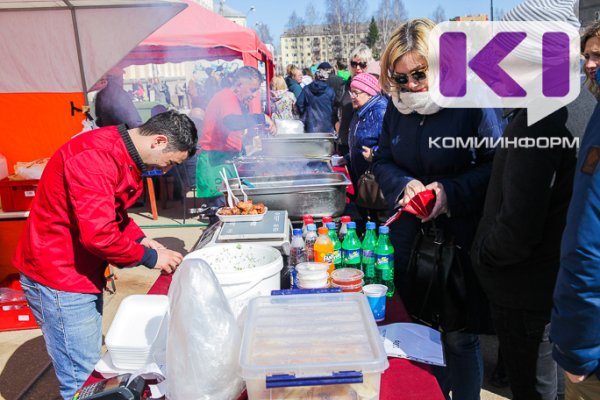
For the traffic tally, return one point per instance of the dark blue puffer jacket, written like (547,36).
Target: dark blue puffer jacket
(365,129)
(315,105)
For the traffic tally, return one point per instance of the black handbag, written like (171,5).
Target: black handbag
(437,293)
(368,194)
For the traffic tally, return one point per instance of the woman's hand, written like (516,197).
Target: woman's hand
(367,153)
(441,201)
(271,125)
(410,190)
(575,378)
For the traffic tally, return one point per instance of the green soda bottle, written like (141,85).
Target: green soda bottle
(368,253)
(337,245)
(351,248)
(384,260)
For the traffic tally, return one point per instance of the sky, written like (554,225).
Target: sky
(275,13)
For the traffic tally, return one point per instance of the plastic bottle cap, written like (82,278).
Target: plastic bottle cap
(311,227)
(370,225)
(323,230)
(331,226)
(297,232)
(384,229)
(327,219)
(307,216)
(308,219)
(346,219)
(351,225)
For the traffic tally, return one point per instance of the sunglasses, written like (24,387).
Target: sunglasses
(418,75)
(355,64)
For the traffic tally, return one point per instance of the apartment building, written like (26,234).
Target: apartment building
(307,45)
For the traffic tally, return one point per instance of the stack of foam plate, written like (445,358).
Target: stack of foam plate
(138,330)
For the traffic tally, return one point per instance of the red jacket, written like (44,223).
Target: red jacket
(79,221)
(214,135)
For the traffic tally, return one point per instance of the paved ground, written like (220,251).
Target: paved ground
(25,369)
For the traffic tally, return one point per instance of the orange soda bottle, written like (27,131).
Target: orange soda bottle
(324,249)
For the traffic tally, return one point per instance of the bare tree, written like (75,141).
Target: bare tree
(438,15)
(294,22)
(263,32)
(338,17)
(311,15)
(390,14)
(357,11)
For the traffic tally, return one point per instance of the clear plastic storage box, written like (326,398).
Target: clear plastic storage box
(315,346)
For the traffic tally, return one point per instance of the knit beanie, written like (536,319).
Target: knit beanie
(367,83)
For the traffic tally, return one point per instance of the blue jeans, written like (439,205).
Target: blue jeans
(527,352)
(463,374)
(72,327)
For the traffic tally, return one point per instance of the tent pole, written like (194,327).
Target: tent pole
(78,45)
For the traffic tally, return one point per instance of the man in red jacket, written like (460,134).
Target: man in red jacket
(79,223)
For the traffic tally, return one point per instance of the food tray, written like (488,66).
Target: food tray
(242,218)
(306,145)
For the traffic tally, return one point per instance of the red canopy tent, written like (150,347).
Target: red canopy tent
(198,33)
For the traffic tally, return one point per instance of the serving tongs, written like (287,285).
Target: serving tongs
(231,199)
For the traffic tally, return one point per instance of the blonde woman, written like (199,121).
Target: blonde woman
(283,105)
(405,164)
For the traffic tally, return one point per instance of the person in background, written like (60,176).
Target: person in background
(405,165)
(180,93)
(210,86)
(316,102)
(164,88)
(195,89)
(113,105)
(79,223)
(159,94)
(307,77)
(365,128)
(293,80)
(337,84)
(283,104)
(228,118)
(342,69)
(575,327)
(359,58)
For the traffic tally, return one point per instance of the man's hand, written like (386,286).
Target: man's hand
(271,125)
(441,201)
(168,260)
(151,244)
(410,190)
(575,378)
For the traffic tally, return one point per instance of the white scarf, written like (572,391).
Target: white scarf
(419,102)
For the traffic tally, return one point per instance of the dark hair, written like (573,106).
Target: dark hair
(177,127)
(247,72)
(307,72)
(341,64)
(590,32)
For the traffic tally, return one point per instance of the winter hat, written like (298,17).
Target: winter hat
(324,65)
(367,83)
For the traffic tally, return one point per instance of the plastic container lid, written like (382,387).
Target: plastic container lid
(370,225)
(346,219)
(351,225)
(311,268)
(384,229)
(347,276)
(327,219)
(311,335)
(349,288)
(307,217)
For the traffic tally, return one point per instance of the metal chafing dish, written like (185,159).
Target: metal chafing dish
(272,166)
(315,194)
(305,145)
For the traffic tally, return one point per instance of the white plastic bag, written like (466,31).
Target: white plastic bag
(32,169)
(204,339)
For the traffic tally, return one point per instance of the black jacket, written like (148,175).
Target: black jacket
(516,250)
(337,84)
(345,114)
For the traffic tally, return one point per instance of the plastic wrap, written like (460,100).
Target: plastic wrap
(204,339)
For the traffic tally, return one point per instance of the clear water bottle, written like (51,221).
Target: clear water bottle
(306,220)
(344,227)
(309,243)
(297,255)
(326,220)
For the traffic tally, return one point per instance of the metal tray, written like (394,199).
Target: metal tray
(306,145)
(316,194)
(269,166)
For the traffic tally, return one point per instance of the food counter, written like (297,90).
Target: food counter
(403,380)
